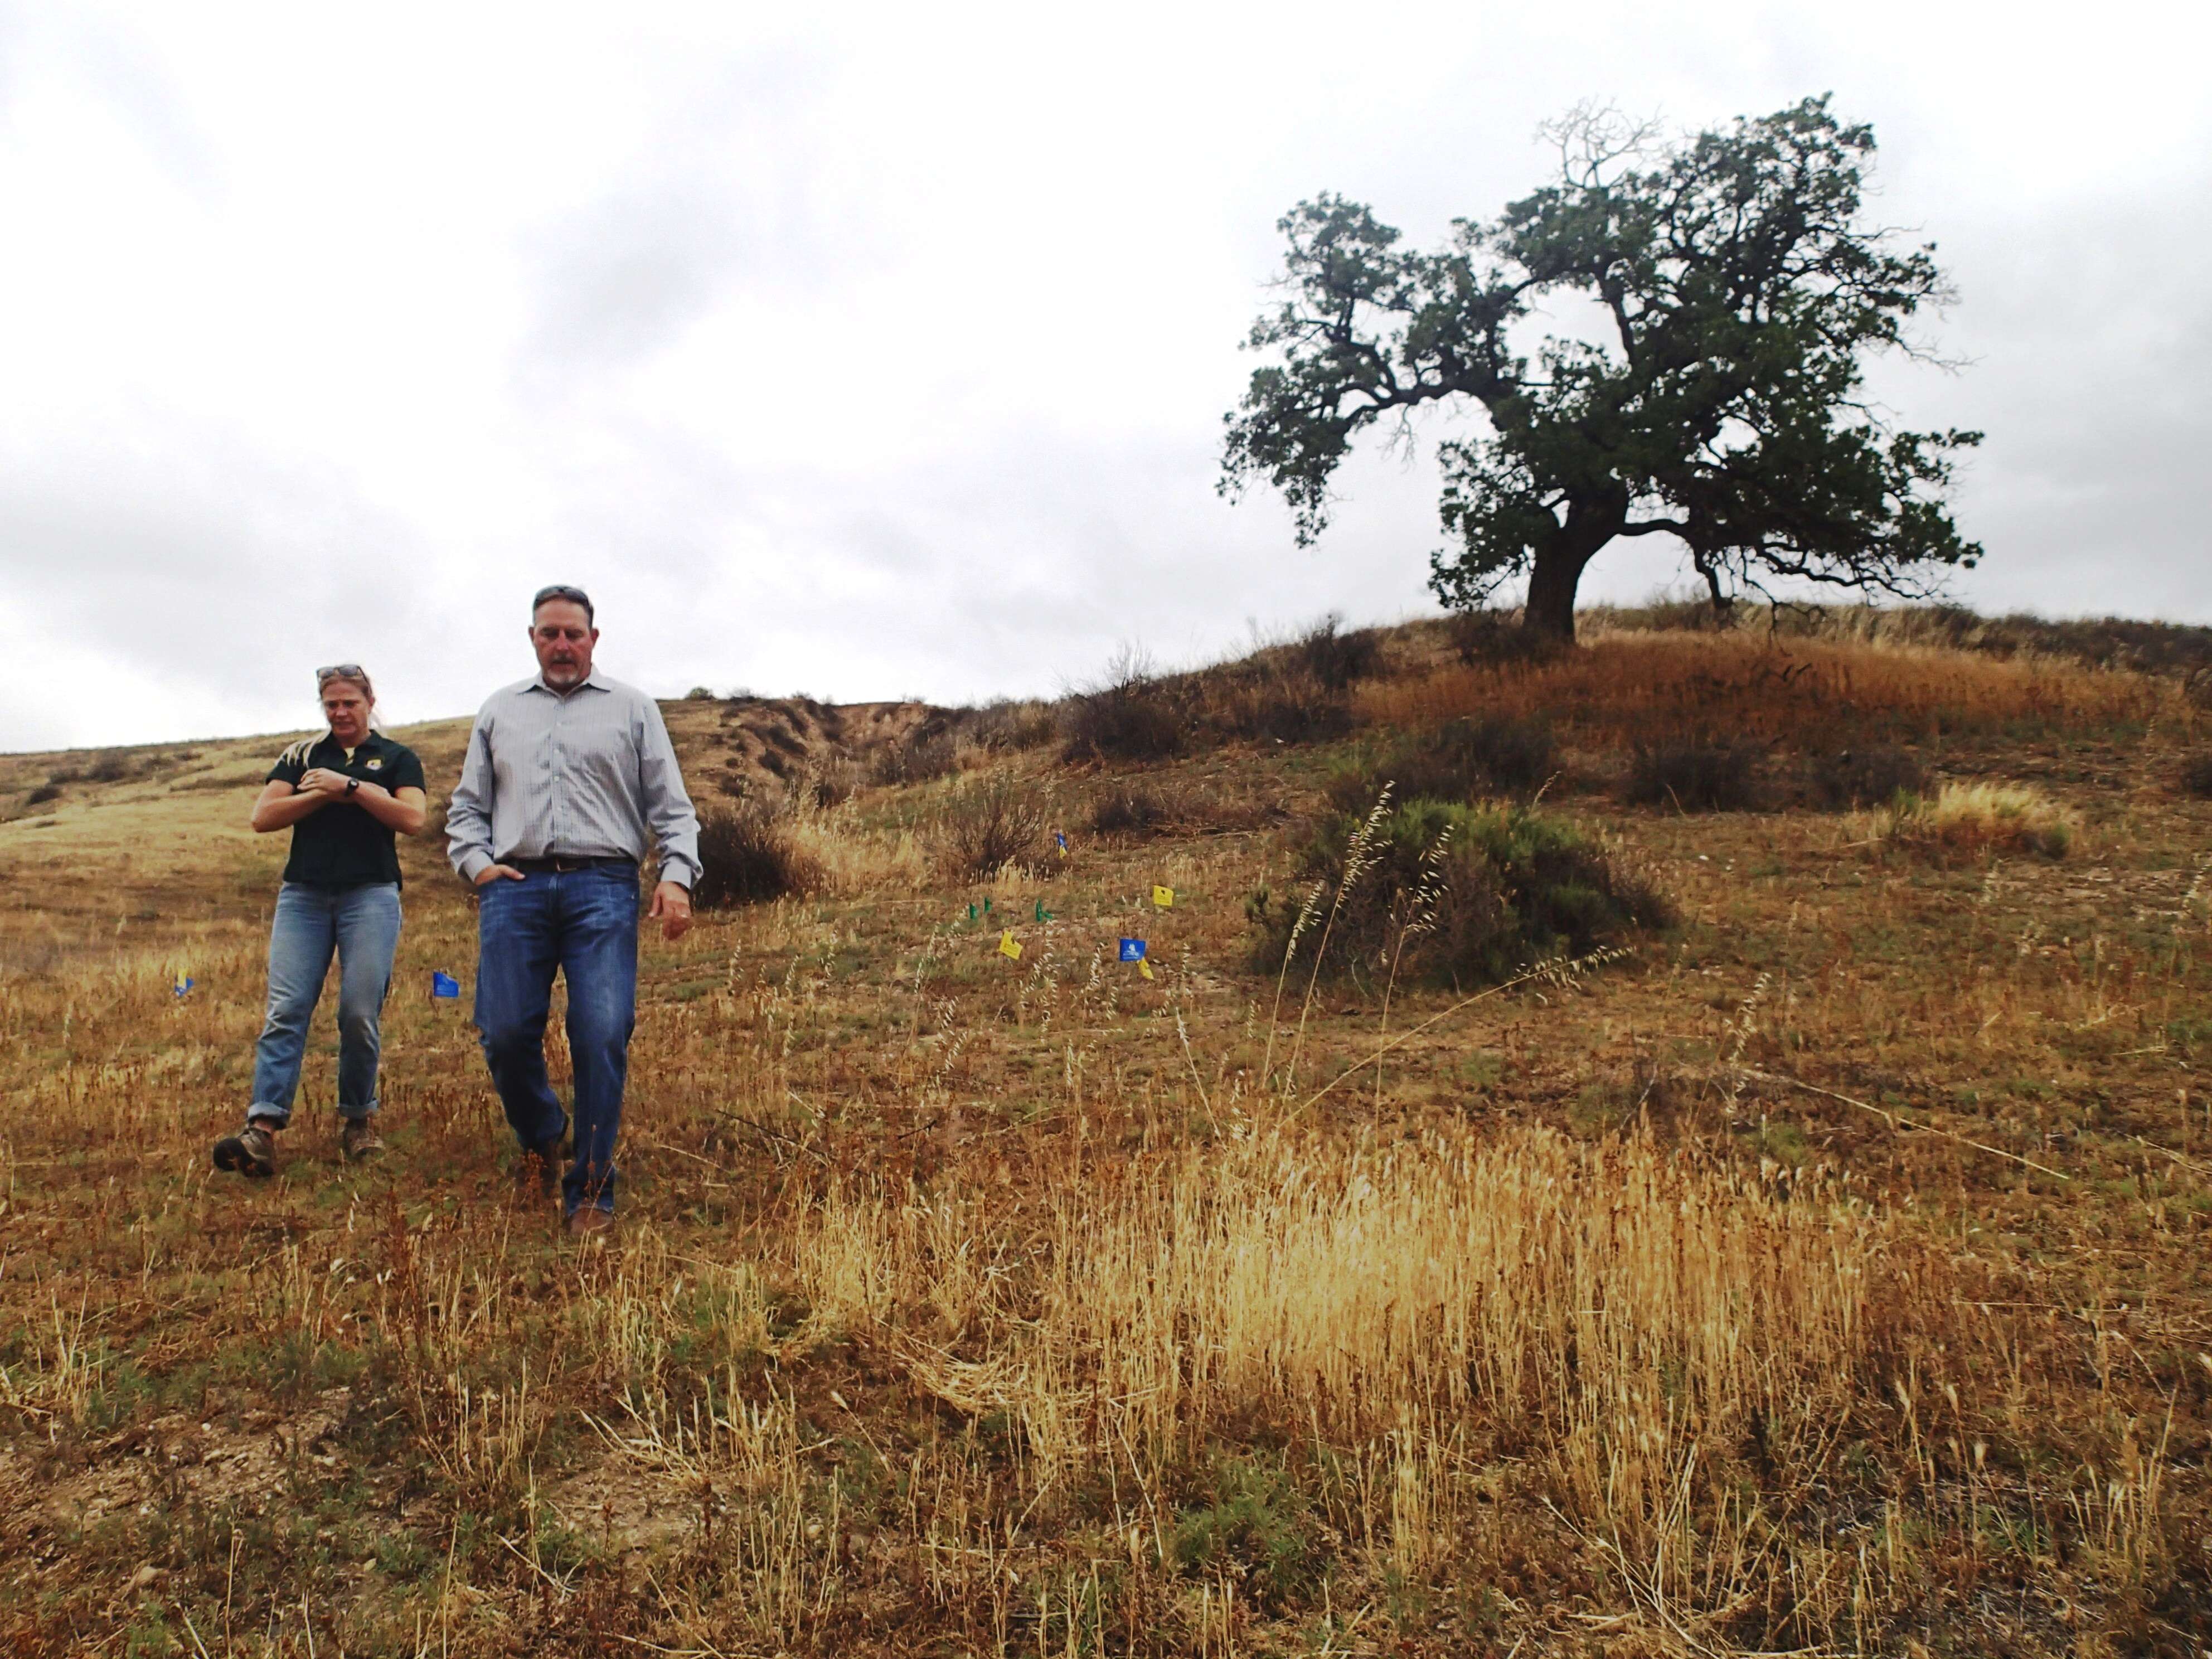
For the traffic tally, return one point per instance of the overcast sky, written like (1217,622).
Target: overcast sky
(882,353)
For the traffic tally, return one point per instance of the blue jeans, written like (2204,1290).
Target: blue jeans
(582,924)
(362,924)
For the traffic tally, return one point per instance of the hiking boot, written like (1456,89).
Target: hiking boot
(251,1151)
(359,1140)
(537,1174)
(590,1222)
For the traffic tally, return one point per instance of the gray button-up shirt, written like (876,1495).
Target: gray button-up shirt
(586,775)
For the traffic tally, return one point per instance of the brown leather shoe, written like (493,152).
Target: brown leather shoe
(590,1222)
(251,1151)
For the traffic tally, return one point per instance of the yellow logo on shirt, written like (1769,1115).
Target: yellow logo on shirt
(373,762)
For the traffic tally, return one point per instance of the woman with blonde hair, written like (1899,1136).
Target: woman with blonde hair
(345,796)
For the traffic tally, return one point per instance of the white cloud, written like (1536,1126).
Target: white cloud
(875,351)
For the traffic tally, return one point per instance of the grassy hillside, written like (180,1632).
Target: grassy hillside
(1810,1259)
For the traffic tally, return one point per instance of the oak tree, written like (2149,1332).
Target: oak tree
(1732,297)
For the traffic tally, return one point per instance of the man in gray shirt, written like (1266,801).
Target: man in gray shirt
(568,774)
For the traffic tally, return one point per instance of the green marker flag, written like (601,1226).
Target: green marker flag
(1043,914)
(971,913)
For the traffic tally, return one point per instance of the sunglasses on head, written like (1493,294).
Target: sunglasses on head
(562,590)
(339,670)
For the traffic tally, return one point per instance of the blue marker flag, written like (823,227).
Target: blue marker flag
(183,985)
(444,985)
(1133,949)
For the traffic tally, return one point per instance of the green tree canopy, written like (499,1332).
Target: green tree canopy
(1717,398)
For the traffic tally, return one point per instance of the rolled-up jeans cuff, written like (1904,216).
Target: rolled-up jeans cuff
(278,1116)
(357,1114)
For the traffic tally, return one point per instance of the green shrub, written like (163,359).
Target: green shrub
(1459,894)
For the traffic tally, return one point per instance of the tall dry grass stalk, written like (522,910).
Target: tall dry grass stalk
(1613,1304)
(852,857)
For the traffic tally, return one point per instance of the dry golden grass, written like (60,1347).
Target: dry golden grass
(1827,1277)
(1971,820)
(1628,688)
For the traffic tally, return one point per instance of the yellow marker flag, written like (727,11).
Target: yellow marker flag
(1163,898)
(1010,946)
(1145,967)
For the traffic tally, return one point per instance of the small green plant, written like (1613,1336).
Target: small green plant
(1256,1520)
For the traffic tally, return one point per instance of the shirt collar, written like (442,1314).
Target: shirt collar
(590,682)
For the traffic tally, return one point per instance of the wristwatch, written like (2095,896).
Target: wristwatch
(352,784)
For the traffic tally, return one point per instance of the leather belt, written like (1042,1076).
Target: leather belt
(560,865)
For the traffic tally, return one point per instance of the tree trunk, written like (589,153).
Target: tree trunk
(1560,559)
(1550,612)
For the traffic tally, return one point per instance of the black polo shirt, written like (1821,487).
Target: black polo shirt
(341,845)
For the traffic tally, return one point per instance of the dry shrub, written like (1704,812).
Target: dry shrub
(1335,660)
(43,793)
(927,752)
(1132,716)
(1694,775)
(2195,777)
(989,825)
(1865,777)
(1135,810)
(1427,889)
(1271,699)
(1460,761)
(1293,710)
(748,855)
(1810,695)
(1009,725)
(1968,820)
(1495,637)
(829,781)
